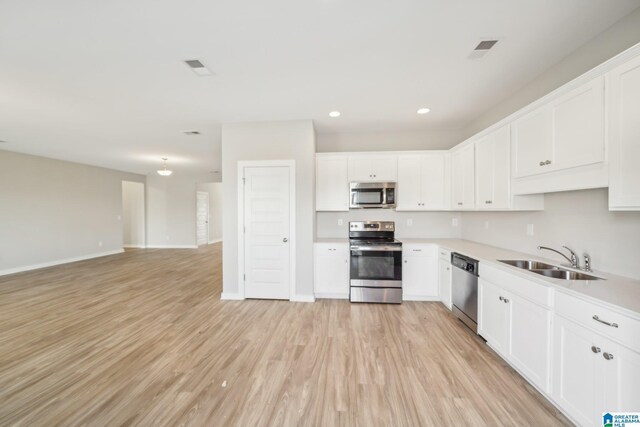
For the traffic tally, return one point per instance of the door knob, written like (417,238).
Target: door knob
(285,240)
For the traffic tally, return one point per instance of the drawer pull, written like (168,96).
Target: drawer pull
(416,250)
(595,349)
(607,356)
(597,319)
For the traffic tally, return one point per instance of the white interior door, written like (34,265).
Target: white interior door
(267,201)
(202,217)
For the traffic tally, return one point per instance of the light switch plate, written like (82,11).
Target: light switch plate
(486,225)
(340,222)
(454,222)
(409,222)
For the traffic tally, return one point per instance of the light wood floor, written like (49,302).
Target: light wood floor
(142,338)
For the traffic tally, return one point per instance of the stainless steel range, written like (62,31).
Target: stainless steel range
(376,262)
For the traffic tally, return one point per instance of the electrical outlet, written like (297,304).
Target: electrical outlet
(454,222)
(340,222)
(486,225)
(530,231)
(409,222)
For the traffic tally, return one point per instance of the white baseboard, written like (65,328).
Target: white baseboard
(134,246)
(214,241)
(329,295)
(410,297)
(303,298)
(172,247)
(227,296)
(58,262)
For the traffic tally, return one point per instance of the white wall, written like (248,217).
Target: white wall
(171,207)
(215,209)
(293,140)
(389,141)
(578,219)
(424,224)
(133,214)
(52,210)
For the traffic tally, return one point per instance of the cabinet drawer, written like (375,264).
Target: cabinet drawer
(534,292)
(331,248)
(444,254)
(421,250)
(583,312)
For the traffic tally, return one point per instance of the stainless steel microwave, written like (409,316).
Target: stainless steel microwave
(365,195)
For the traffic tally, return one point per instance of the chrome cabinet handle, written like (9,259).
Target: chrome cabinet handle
(285,240)
(607,356)
(595,349)
(548,162)
(416,250)
(597,319)
(460,203)
(541,163)
(501,298)
(405,261)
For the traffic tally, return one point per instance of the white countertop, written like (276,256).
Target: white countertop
(620,293)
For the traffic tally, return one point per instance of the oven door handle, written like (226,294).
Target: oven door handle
(377,248)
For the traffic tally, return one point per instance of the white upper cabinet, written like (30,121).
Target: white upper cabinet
(423,182)
(565,133)
(332,183)
(373,168)
(623,97)
(492,170)
(463,177)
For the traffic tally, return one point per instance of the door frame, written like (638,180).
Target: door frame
(198,192)
(291,164)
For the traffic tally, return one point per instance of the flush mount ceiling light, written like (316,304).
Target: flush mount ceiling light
(164,171)
(198,67)
(423,110)
(334,114)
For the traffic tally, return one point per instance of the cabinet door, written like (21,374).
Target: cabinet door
(501,169)
(409,181)
(529,340)
(532,143)
(420,272)
(485,171)
(463,175)
(577,371)
(385,168)
(624,136)
(493,319)
(332,184)
(444,279)
(621,379)
(433,182)
(331,270)
(578,126)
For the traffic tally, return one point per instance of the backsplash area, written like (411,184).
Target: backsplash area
(423,224)
(578,219)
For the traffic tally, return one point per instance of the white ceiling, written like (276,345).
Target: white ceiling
(103,82)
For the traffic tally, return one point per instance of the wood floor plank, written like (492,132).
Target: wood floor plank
(142,338)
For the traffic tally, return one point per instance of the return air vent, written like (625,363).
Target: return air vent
(198,67)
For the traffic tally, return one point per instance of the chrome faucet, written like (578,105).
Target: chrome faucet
(573,260)
(587,263)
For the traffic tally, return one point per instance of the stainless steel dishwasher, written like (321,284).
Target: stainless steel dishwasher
(464,289)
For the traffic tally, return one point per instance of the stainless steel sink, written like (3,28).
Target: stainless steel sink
(566,274)
(527,264)
(548,270)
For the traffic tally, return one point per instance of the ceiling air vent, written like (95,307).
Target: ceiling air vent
(198,67)
(486,44)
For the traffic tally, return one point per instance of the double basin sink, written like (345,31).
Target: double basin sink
(548,270)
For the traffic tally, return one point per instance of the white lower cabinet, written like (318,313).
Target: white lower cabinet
(419,272)
(518,329)
(592,374)
(331,270)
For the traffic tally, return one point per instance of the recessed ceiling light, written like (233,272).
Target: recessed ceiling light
(198,67)
(423,111)
(334,114)
(191,132)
